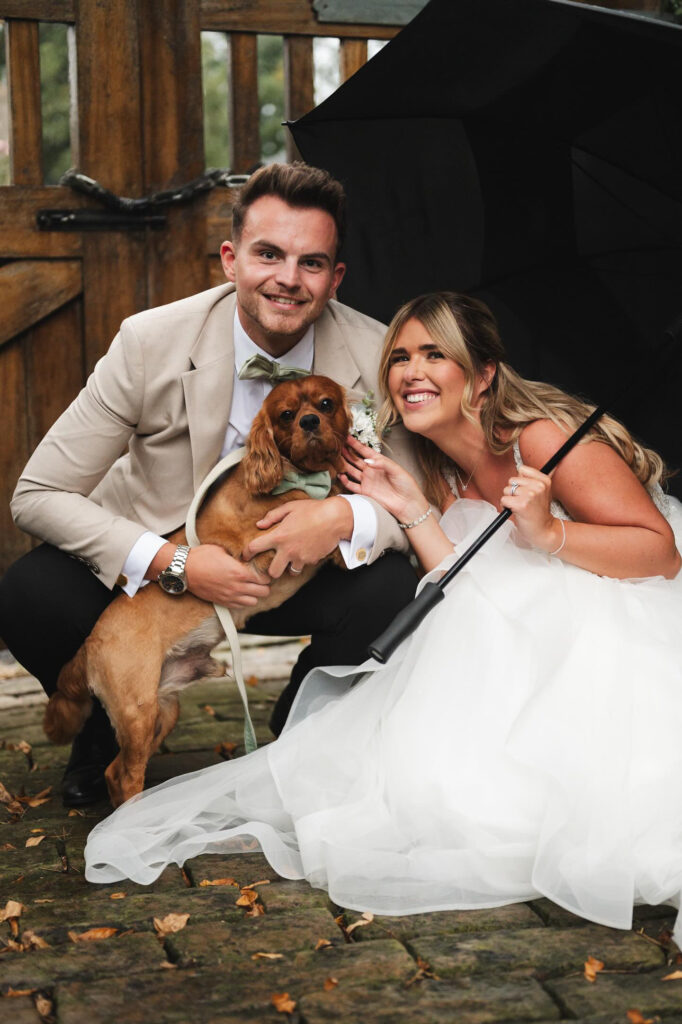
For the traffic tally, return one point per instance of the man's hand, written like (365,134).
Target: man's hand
(302,532)
(215,576)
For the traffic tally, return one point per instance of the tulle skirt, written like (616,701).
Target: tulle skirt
(524,741)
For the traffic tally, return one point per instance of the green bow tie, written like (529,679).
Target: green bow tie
(260,367)
(316,485)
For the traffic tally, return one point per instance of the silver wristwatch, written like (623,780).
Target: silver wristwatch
(173,579)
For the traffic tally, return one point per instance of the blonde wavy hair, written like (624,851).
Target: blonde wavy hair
(465,330)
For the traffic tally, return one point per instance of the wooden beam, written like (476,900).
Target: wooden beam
(111,152)
(38,10)
(299,90)
(219,218)
(32,289)
(26,123)
(281,17)
(372,12)
(173,144)
(14,450)
(243,106)
(352,55)
(21,237)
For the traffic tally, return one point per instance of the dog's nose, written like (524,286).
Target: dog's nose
(310,422)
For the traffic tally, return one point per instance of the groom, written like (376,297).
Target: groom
(173,393)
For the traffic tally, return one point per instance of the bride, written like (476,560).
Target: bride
(524,741)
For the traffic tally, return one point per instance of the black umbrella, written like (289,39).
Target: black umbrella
(530,153)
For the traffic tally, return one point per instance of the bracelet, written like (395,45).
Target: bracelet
(563,527)
(416,522)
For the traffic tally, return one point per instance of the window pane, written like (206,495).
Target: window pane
(4,111)
(214,76)
(271,97)
(55,100)
(373,47)
(326,62)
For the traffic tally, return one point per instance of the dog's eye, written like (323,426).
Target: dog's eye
(326,405)
(286,416)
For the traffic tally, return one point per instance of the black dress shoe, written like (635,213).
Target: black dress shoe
(94,748)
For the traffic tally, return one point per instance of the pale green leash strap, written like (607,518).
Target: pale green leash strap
(223,613)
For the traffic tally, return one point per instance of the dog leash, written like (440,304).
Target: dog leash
(223,613)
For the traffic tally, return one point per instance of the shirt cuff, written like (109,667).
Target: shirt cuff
(356,551)
(138,561)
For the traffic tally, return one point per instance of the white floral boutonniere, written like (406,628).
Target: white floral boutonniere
(364,422)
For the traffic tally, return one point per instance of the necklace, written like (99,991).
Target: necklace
(463,486)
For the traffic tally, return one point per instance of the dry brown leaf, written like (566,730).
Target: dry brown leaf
(170,923)
(265,881)
(226,750)
(635,1017)
(168,966)
(366,919)
(46,900)
(5,795)
(267,956)
(251,680)
(208,709)
(34,841)
(34,830)
(283,1002)
(217,881)
(44,1005)
(93,934)
(76,812)
(247,898)
(32,941)
(675,976)
(592,967)
(12,992)
(330,983)
(322,943)
(117,896)
(257,910)
(38,799)
(13,909)
(13,805)
(6,847)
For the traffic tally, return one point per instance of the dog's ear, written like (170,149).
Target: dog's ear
(262,463)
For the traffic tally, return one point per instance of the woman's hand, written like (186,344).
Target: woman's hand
(528,495)
(373,475)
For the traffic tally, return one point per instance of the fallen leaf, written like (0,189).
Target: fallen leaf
(13,805)
(675,976)
(186,879)
(36,801)
(251,680)
(265,881)
(208,709)
(11,992)
(46,900)
(247,898)
(168,966)
(5,795)
(33,830)
(366,919)
(30,940)
(283,1002)
(216,881)
(170,923)
(44,1006)
(92,934)
(226,750)
(257,910)
(76,812)
(322,944)
(330,983)
(117,896)
(34,840)
(13,909)
(7,847)
(592,967)
(267,956)
(635,1017)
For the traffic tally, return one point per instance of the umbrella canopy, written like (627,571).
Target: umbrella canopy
(529,153)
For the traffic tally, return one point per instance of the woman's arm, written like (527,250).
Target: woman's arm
(617,532)
(398,492)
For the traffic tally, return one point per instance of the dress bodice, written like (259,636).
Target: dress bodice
(656,492)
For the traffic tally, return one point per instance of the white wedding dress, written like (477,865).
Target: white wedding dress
(524,741)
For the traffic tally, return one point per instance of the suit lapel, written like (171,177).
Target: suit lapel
(333,358)
(208,385)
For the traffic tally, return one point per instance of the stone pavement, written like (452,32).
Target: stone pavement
(251,947)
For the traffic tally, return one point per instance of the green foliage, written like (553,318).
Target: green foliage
(54,100)
(4,112)
(673,7)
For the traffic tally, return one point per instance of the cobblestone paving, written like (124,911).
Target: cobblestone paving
(519,963)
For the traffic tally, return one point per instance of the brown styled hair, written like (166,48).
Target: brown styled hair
(298,185)
(465,330)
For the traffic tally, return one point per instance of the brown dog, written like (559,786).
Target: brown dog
(143,650)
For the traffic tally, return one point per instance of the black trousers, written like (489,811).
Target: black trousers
(49,603)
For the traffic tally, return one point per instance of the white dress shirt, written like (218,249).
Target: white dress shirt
(247,398)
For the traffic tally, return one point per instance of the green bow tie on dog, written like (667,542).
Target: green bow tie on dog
(259,367)
(316,485)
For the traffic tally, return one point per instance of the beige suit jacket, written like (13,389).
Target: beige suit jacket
(130,451)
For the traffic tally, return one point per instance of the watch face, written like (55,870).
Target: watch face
(172,584)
